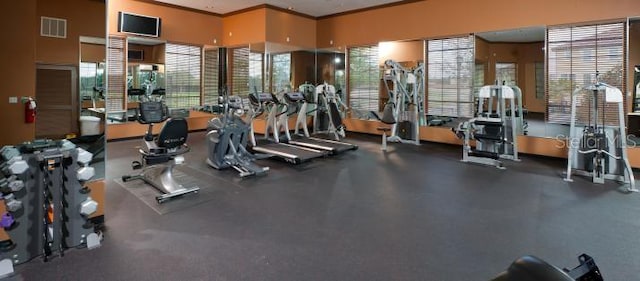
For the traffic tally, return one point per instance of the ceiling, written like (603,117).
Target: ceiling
(521,35)
(316,8)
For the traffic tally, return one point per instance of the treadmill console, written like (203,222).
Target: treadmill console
(235,102)
(294,97)
(263,97)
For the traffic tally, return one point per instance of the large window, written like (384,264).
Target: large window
(507,73)
(364,79)
(575,55)
(281,73)
(450,76)
(183,67)
(211,83)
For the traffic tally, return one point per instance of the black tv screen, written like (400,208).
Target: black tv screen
(138,24)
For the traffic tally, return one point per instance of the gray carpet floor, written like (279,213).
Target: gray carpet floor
(413,213)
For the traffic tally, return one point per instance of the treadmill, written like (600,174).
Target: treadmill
(276,119)
(297,100)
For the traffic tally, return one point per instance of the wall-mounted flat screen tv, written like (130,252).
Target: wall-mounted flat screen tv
(138,24)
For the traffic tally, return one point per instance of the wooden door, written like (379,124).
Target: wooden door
(57,101)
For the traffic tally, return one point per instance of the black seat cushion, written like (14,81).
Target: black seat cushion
(173,134)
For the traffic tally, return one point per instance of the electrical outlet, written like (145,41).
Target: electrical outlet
(13,99)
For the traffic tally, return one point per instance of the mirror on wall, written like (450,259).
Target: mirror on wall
(288,67)
(91,84)
(145,73)
(331,68)
(516,58)
(633,78)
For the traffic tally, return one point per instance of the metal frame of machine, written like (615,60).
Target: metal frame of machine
(407,96)
(590,147)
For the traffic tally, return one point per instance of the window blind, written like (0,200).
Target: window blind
(281,72)
(450,76)
(211,83)
(116,75)
(183,68)
(364,79)
(575,55)
(240,72)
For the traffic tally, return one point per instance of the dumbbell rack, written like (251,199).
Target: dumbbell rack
(46,207)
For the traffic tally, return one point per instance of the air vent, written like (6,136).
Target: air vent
(53,27)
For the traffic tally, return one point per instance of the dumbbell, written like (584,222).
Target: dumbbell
(88,207)
(9,152)
(14,166)
(84,158)
(12,183)
(7,220)
(12,204)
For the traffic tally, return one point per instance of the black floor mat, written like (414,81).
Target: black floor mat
(186,176)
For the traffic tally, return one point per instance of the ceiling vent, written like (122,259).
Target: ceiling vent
(53,27)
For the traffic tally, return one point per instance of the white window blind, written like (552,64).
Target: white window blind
(507,73)
(240,72)
(281,72)
(183,67)
(116,75)
(450,76)
(211,83)
(574,56)
(364,79)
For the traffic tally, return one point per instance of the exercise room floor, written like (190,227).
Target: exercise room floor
(413,213)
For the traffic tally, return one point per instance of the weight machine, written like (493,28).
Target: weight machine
(405,107)
(598,150)
(494,129)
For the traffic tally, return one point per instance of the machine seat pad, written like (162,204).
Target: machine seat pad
(173,134)
(485,154)
(487,123)
(489,137)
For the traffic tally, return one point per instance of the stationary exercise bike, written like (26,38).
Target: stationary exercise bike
(161,153)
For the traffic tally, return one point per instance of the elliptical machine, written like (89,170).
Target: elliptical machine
(167,148)
(227,139)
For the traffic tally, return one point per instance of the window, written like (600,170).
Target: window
(575,55)
(364,79)
(183,67)
(507,73)
(255,71)
(240,72)
(450,76)
(211,83)
(89,78)
(478,77)
(281,72)
(116,75)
